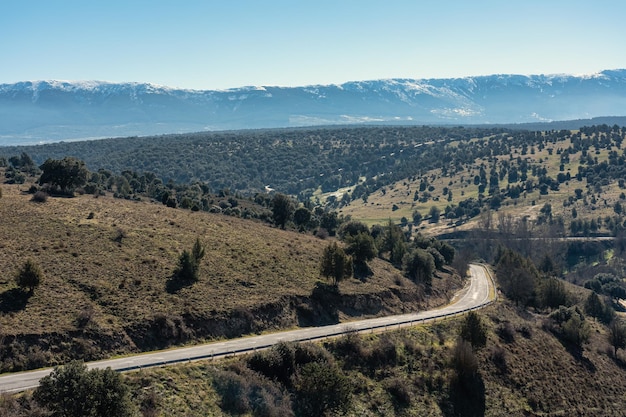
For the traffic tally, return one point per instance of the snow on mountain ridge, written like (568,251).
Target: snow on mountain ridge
(57,109)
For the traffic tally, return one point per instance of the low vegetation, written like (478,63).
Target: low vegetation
(159,264)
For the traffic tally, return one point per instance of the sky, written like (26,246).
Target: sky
(221,44)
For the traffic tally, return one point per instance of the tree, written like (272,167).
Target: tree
(617,335)
(362,249)
(74,391)
(189,263)
(434,214)
(65,174)
(352,228)
(393,242)
(419,266)
(335,264)
(321,389)
(473,330)
(553,293)
(301,217)
(29,276)
(282,209)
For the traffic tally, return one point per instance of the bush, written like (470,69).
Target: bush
(72,390)
(463,359)
(473,330)
(321,388)
(617,336)
(419,266)
(189,263)
(40,197)
(399,392)
(243,391)
(29,276)
(506,332)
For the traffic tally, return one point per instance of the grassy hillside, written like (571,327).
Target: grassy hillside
(107,288)
(523,370)
(545,155)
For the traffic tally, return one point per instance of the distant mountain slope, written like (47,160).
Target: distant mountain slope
(58,110)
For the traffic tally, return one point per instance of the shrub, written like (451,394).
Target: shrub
(320,389)
(189,263)
(419,266)
(29,276)
(498,357)
(72,390)
(463,359)
(473,330)
(40,197)
(506,332)
(399,392)
(243,391)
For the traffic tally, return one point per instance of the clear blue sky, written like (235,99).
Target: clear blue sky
(211,44)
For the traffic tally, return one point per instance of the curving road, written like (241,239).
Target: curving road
(474,296)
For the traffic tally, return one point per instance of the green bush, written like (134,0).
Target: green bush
(473,330)
(73,391)
(243,391)
(321,388)
(189,263)
(29,276)
(419,266)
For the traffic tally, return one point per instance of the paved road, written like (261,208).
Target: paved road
(473,296)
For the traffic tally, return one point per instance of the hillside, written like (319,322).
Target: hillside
(107,287)
(43,111)
(523,370)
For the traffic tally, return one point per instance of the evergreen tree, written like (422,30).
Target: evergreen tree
(335,265)
(74,391)
(29,276)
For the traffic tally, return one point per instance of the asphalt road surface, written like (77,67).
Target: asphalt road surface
(475,295)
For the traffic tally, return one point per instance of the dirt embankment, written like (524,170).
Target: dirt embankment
(324,306)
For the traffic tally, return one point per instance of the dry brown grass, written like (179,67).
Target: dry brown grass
(106,272)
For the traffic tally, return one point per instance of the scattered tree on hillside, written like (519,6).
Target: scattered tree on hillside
(335,264)
(434,213)
(72,391)
(598,309)
(617,335)
(302,217)
(473,330)
(553,293)
(517,276)
(419,266)
(64,175)
(362,249)
(321,389)
(282,209)
(571,325)
(189,263)
(29,276)
(392,241)
(352,228)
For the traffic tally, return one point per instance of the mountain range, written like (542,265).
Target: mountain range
(46,111)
